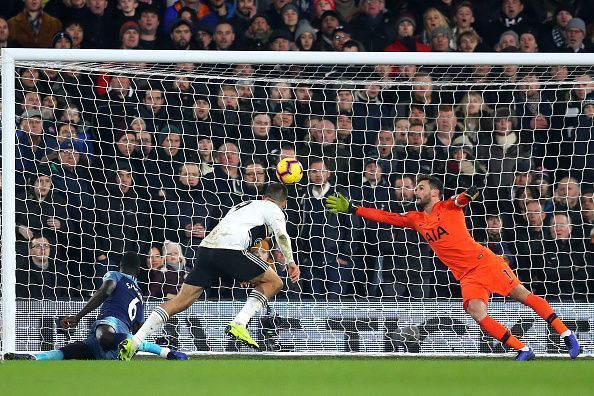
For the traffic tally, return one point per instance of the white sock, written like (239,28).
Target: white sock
(566,333)
(525,349)
(156,319)
(255,301)
(164,352)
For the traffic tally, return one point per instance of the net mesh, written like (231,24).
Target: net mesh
(148,157)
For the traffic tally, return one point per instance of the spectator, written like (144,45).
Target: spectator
(226,173)
(529,41)
(554,30)
(203,36)
(384,154)
(120,221)
(432,19)
(274,16)
(260,141)
(149,26)
(77,34)
(280,40)
(253,185)
(152,108)
(165,281)
(200,120)
(375,192)
(257,34)
(31,145)
(513,15)
(126,11)
(38,276)
(33,28)
(502,152)
(588,213)
(340,36)
(575,33)
(568,267)
(463,18)
(189,213)
(130,35)
(62,40)
(65,10)
(201,10)
(227,111)
(507,39)
(291,18)
(181,35)
(171,154)
(154,261)
(5,34)
(283,123)
(322,143)
(406,41)
(446,131)
(224,36)
(530,242)
(321,6)
(418,156)
(41,212)
(469,42)
(205,154)
(99,25)
(328,23)
(327,242)
(566,199)
(471,110)
(440,39)
(245,10)
(462,171)
(583,149)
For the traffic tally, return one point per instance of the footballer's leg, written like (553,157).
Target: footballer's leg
(544,310)
(266,286)
(160,315)
(477,309)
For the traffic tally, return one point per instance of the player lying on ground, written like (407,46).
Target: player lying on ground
(225,252)
(480,271)
(122,310)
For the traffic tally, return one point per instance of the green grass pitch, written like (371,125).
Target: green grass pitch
(306,376)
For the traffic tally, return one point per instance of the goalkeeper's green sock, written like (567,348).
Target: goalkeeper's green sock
(56,354)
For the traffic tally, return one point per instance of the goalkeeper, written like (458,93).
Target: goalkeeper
(122,310)
(480,271)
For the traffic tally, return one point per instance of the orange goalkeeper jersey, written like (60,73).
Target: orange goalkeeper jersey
(445,230)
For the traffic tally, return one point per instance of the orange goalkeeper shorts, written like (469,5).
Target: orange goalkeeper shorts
(491,276)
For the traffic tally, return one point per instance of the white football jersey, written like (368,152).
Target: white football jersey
(245,224)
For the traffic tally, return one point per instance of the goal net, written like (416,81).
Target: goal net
(145,152)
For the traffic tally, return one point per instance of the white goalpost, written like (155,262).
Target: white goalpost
(146,150)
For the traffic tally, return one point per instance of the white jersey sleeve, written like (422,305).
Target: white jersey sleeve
(245,224)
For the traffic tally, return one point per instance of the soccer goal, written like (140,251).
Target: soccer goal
(145,151)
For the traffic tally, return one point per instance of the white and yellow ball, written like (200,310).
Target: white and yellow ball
(289,171)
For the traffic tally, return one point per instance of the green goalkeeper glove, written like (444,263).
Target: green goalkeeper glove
(339,204)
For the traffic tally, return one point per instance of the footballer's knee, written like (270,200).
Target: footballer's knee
(476,309)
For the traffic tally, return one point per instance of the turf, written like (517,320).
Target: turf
(328,377)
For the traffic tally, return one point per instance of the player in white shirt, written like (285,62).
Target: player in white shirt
(225,252)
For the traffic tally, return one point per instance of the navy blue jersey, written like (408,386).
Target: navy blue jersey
(125,303)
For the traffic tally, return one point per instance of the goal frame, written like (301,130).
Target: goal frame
(10,56)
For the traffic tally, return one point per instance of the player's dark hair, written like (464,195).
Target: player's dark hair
(130,263)
(434,182)
(276,192)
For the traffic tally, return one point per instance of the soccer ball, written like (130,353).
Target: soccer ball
(289,171)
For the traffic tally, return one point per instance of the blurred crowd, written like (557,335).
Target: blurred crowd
(110,161)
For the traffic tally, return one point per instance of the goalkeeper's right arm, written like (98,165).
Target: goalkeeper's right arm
(340,204)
